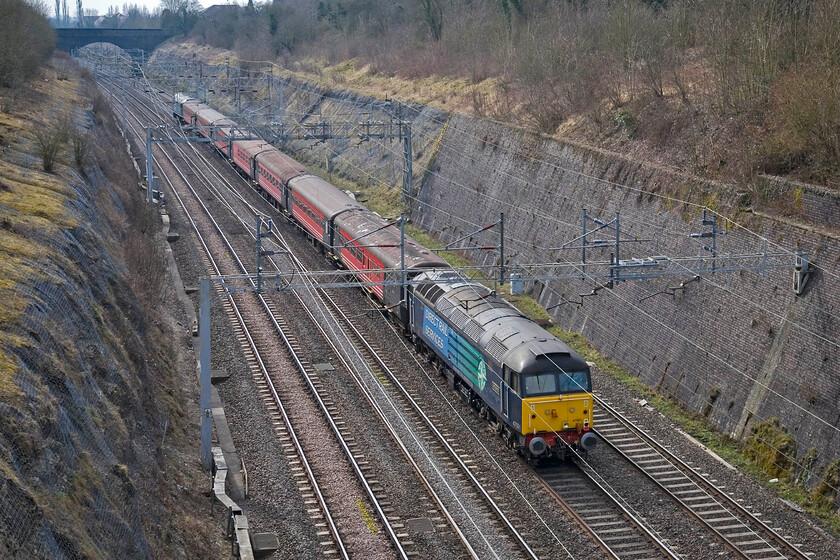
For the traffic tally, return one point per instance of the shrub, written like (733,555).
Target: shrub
(825,493)
(81,146)
(805,105)
(101,108)
(10,97)
(771,448)
(625,120)
(48,144)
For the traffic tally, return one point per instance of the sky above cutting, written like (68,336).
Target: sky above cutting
(102,5)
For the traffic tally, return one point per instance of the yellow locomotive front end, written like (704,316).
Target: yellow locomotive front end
(557,413)
(550,421)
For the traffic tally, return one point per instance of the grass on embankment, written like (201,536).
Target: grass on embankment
(32,206)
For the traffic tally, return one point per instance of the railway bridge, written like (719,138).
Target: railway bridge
(70,38)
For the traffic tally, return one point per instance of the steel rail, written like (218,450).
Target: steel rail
(748,523)
(404,393)
(300,452)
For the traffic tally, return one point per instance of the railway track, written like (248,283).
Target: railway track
(365,471)
(632,530)
(621,532)
(432,439)
(452,463)
(742,533)
(618,531)
(331,541)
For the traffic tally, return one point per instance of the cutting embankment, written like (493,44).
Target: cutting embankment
(98,454)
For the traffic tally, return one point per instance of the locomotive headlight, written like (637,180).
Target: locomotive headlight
(566,425)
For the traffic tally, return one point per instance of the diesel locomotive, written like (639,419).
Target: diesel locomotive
(527,383)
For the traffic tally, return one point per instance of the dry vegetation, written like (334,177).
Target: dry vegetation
(26,39)
(98,453)
(719,88)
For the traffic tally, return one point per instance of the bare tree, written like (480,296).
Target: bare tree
(26,39)
(81,147)
(179,16)
(433,13)
(655,51)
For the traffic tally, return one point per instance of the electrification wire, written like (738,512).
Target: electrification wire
(679,335)
(661,196)
(313,293)
(249,227)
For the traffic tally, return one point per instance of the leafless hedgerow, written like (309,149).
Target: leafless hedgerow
(726,59)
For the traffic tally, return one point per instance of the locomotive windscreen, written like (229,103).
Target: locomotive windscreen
(553,383)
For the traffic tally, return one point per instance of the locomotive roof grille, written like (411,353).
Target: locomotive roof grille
(444,305)
(474,331)
(458,318)
(496,349)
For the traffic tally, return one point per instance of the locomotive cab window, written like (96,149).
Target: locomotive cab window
(552,383)
(540,384)
(574,382)
(514,383)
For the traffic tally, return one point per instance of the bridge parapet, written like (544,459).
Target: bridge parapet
(70,38)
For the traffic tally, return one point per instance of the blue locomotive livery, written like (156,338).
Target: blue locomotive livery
(459,353)
(531,385)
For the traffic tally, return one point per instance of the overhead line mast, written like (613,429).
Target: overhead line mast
(614,270)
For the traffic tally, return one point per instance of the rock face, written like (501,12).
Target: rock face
(69,435)
(90,400)
(737,348)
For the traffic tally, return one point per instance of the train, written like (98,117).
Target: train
(533,389)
